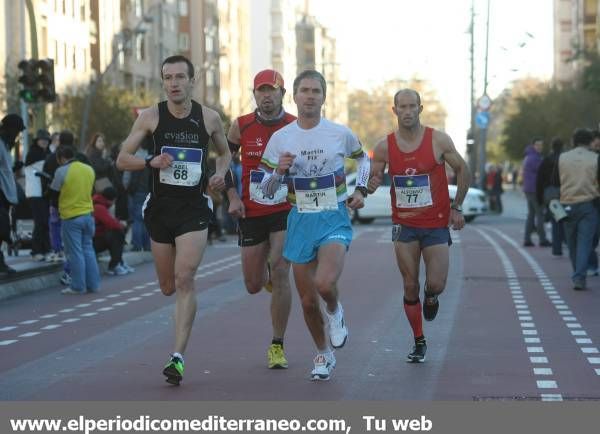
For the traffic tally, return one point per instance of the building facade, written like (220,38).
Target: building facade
(576,24)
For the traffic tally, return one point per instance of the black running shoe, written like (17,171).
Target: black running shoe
(418,352)
(430,307)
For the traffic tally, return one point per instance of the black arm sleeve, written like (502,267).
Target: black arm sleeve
(53,196)
(233,147)
(229,180)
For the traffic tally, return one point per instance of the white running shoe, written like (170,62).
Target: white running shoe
(127,267)
(117,270)
(323,367)
(338,332)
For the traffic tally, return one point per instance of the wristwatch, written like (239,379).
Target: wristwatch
(362,190)
(457,207)
(148,159)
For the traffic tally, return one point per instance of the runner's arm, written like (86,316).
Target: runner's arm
(451,156)
(378,163)
(223,160)
(143,125)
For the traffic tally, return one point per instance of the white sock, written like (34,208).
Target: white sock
(178,355)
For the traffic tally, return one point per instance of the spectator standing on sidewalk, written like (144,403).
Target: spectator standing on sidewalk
(579,194)
(71,194)
(535,212)
(10,128)
(34,163)
(110,233)
(137,185)
(548,188)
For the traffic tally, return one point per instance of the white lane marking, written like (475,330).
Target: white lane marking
(127,291)
(561,307)
(583,341)
(530,332)
(525,318)
(28,335)
(235,258)
(121,303)
(594,360)
(551,397)
(542,371)
(546,384)
(597,371)
(9,342)
(31,321)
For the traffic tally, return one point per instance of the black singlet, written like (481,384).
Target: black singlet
(186,140)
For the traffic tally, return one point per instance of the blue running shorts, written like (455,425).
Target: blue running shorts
(425,236)
(306,232)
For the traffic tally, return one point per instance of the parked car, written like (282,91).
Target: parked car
(378,204)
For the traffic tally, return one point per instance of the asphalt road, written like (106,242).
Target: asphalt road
(509,327)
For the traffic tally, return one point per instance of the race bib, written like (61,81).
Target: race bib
(186,168)
(412,191)
(257,195)
(316,194)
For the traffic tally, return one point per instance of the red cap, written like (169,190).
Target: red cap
(268,77)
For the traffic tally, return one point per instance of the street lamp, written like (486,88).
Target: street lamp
(126,36)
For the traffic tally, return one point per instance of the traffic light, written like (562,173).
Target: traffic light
(29,80)
(46,92)
(37,78)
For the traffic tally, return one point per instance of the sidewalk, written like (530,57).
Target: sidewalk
(33,275)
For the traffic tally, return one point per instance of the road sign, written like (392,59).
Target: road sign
(482,119)
(484,103)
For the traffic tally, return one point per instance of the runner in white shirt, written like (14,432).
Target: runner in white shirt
(309,156)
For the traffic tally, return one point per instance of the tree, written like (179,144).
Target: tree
(111,114)
(370,113)
(554,113)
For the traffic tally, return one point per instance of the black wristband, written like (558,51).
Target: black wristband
(148,159)
(362,190)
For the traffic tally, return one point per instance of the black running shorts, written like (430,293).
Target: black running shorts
(166,218)
(255,230)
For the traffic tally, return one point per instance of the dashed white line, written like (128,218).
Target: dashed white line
(28,335)
(9,342)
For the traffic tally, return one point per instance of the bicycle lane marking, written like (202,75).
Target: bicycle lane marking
(576,330)
(103,298)
(542,369)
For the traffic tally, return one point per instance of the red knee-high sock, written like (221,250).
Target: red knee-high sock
(413,313)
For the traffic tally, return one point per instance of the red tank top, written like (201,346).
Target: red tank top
(420,183)
(254,136)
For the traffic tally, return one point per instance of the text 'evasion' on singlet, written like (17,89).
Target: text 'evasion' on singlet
(186,140)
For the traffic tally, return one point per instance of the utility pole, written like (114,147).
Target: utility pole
(483,129)
(471,145)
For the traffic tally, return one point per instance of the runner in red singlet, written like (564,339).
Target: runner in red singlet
(421,210)
(263,219)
